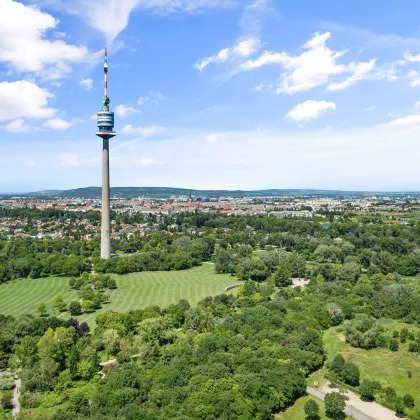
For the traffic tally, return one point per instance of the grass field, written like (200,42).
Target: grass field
(135,291)
(297,412)
(390,368)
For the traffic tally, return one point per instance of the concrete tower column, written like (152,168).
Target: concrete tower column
(105,132)
(106,223)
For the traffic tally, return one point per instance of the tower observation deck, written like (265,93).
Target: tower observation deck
(105,131)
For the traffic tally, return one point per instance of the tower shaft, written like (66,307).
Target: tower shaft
(106,223)
(105,132)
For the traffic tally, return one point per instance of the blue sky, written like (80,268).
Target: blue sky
(235,94)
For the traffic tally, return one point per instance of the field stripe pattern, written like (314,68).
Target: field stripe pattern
(134,291)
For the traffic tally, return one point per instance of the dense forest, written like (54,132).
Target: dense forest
(341,245)
(230,357)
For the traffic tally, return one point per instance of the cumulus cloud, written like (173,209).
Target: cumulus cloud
(87,84)
(69,160)
(145,131)
(412,58)
(414,76)
(242,49)
(110,17)
(57,124)
(315,66)
(124,110)
(24,47)
(153,97)
(310,110)
(17,126)
(360,70)
(407,121)
(24,99)
(149,161)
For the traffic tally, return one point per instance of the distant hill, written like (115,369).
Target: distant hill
(165,192)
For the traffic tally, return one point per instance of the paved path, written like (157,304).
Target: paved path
(355,407)
(16,395)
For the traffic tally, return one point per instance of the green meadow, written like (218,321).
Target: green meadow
(134,291)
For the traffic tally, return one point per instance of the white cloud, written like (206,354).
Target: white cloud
(407,121)
(149,161)
(24,99)
(60,34)
(154,97)
(87,84)
(30,163)
(213,137)
(360,70)
(110,17)
(310,110)
(146,131)
(370,108)
(314,67)
(17,126)
(253,14)
(412,58)
(415,78)
(417,104)
(124,110)
(24,47)
(57,124)
(243,48)
(69,160)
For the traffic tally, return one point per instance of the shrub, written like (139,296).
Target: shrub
(393,344)
(408,400)
(399,407)
(6,400)
(311,410)
(30,400)
(363,331)
(334,405)
(75,308)
(6,384)
(50,399)
(351,374)
(79,403)
(414,347)
(367,390)
(390,394)
(396,334)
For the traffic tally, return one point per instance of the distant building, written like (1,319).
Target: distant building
(290,214)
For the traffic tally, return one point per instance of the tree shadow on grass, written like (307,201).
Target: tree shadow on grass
(336,416)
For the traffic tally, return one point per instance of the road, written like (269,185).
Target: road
(364,410)
(16,395)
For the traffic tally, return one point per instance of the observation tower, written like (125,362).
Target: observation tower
(105,132)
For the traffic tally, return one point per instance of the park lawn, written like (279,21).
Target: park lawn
(134,291)
(297,412)
(388,367)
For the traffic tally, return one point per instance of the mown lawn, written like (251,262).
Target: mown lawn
(297,412)
(134,291)
(388,367)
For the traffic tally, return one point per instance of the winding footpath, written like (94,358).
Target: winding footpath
(355,407)
(16,395)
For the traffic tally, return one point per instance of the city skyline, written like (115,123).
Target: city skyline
(213,94)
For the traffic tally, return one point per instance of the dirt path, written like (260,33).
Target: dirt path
(371,410)
(16,395)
